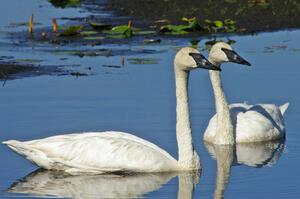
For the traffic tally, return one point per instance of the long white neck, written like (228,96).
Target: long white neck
(224,134)
(187,158)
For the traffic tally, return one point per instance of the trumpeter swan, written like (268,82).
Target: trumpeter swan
(99,152)
(256,155)
(45,183)
(240,122)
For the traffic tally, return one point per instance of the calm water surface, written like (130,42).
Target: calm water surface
(140,98)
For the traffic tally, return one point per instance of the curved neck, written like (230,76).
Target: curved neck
(183,127)
(224,134)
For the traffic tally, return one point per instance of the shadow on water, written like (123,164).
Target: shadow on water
(42,183)
(255,155)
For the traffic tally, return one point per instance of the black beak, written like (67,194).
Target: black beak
(202,62)
(234,57)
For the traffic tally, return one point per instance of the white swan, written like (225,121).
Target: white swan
(240,122)
(99,152)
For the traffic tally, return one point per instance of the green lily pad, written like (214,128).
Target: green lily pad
(218,24)
(71,31)
(86,33)
(192,25)
(122,31)
(100,26)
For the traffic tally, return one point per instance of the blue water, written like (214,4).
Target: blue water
(140,98)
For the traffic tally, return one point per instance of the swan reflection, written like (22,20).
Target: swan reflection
(250,154)
(43,183)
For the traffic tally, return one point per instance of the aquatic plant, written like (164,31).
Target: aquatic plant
(70,31)
(192,25)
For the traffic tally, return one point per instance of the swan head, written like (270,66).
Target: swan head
(189,58)
(222,52)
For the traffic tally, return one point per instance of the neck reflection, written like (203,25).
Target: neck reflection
(250,154)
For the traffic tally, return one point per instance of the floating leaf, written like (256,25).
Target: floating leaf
(227,26)
(193,25)
(122,31)
(229,22)
(89,32)
(71,31)
(100,26)
(218,24)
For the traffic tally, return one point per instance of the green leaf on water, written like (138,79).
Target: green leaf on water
(122,31)
(229,22)
(100,26)
(89,32)
(71,31)
(192,25)
(218,24)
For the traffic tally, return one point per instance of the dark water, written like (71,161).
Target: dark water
(140,98)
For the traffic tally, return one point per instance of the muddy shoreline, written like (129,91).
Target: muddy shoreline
(252,15)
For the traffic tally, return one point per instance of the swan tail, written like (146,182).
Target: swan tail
(284,107)
(32,154)
(16,146)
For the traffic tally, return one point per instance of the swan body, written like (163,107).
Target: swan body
(96,152)
(100,152)
(253,123)
(240,123)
